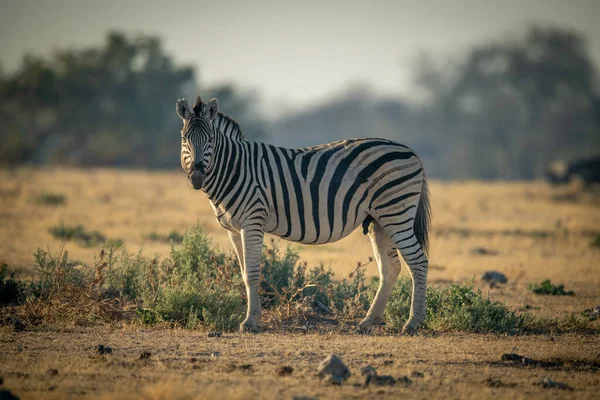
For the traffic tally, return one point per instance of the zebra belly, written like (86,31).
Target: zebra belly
(307,233)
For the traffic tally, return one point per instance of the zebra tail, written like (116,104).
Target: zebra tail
(423,218)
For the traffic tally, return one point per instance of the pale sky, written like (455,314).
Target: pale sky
(294,53)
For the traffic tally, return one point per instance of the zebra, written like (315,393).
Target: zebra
(311,195)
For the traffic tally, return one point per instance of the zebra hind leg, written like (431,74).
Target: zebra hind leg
(389,269)
(417,262)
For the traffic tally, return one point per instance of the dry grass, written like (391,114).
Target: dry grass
(537,233)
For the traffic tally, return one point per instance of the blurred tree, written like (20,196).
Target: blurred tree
(108,105)
(511,107)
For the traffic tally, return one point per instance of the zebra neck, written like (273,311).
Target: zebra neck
(231,159)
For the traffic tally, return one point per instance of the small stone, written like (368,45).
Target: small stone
(368,371)
(550,384)
(215,334)
(482,251)
(494,278)
(17,324)
(511,357)
(383,380)
(52,372)
(246,367)
(101,349)
(285,370)
(333,370)
(516,358)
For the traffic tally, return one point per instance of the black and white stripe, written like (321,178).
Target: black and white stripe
(311,195)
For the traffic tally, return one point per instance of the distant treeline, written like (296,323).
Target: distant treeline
(503,110)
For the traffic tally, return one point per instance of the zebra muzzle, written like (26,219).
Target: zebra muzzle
(196,178)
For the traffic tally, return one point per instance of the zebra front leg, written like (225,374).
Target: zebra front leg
(389,269)
(238,247)
(252,242)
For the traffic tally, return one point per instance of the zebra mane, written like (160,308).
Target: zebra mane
(228,126)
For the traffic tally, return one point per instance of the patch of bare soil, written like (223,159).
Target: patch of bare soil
(179,364)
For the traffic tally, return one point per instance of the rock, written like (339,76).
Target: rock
(368,371)
(52,372)
(494,278)
(285,370)
(496,383)
(17,324)
(383,380)
(518,359)
(101,349)
(549,383)
(593,313)
(246,367)
(405,380)
(215,334)
(333,370)
(484,252)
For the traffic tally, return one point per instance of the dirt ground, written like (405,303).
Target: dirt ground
(188,365)
(529,231)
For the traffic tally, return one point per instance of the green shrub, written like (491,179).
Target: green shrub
(77,233)
(547,288)
(51,199)
(596,241)
(454,308)
(53,272)
(12,291)
(200,286)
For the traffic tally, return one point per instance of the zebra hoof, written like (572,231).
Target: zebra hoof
(249,327)
(366,326)
(408,331)
(363,329)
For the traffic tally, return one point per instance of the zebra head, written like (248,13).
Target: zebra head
(197,138)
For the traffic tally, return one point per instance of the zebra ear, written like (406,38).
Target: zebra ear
(183,109)
(213,109)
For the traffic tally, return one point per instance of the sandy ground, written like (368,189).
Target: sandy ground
(530,232)
(187,364)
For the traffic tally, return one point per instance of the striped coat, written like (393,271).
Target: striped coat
(311,195)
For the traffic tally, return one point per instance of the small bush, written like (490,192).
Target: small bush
(51,199)
(200,286)
(77,233)
(596,242)
(547,288)
(12,291)
(460,308)
(454,308)
(173,237)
